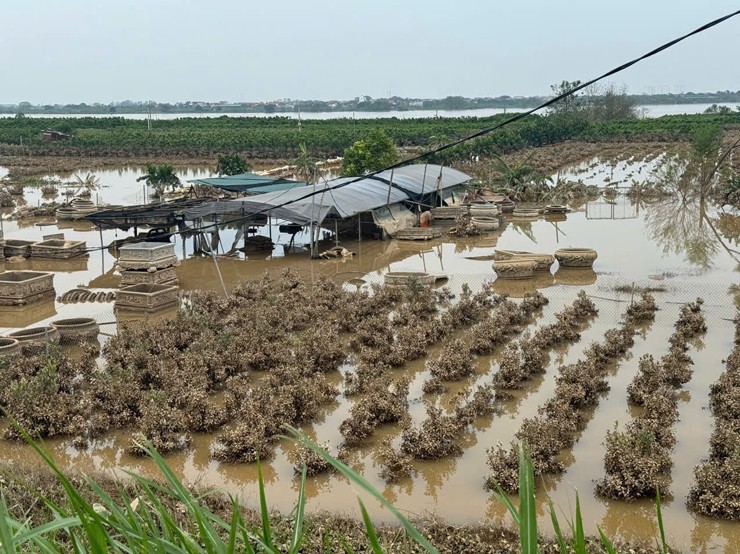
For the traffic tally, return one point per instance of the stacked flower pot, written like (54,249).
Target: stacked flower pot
(148,278)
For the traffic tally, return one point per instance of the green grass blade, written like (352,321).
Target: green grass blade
(580,536)
(502,497)
(661,528)
(608,546)
(562,544)
(266,535)
(231,545)
(299,514)
(372,536)
(527,504)
(360,481)
(7,541)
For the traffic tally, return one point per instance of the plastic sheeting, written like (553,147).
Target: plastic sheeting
(341,198)
(394,218)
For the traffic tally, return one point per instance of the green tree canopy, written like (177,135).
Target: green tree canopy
(160,177)
(371,153)
(232,164)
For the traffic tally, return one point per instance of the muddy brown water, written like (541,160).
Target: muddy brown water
(660,244)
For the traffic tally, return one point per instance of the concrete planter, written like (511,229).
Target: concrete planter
(24,287)
(145,255)
(526,213)
(542,261)
(418,233)
(35,336)
(447,212)
(166,276)
(576,257)
(9,347)
(76,329)
(484,210)
(147,298)
(59,249)
(514,268)
(485,223)
(408,278)
(17,247)
(506,206)
(556,209)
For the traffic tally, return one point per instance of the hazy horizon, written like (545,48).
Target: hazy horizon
(178,50)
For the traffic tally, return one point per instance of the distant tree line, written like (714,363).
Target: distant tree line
(359,104)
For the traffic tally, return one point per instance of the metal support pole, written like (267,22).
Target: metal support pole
(218,272)
(336,232)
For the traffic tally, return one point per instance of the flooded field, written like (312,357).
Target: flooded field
(680,249)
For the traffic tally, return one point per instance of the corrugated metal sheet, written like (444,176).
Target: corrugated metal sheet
(248,182)
(341,197)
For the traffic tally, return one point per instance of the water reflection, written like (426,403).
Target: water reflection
(681,225)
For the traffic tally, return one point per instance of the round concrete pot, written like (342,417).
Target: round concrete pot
(485,223)
(76,329)
(576,257)
(514,268)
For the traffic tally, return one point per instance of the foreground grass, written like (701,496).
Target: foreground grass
(85,515)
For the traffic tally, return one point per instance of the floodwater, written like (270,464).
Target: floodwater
(648,110)
(688,248)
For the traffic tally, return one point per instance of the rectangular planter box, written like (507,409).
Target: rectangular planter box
(143,255)
(17,247)
(24,287)
(146,298)
(59,249)
(166,276)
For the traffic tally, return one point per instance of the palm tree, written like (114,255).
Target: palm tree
(306,167)
(517,178)
(160,177)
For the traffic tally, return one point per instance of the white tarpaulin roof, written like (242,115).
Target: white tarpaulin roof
(340,197)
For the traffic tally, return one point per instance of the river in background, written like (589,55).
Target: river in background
(652,110)
(685,247)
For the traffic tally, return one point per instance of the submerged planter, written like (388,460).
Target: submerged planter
(166,276)
(59,249)
(24,287)
(485,223)
(418,233)
(526,213)
(514,268)
(447,212)
(35,336)
(506,205)
(542,261)
(576,257)
(17,247)
(9,347)
(145,255)
(484,210)
(556,209)
(409,278)
(76,329)
(147,298)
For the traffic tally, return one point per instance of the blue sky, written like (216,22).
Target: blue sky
(174,50)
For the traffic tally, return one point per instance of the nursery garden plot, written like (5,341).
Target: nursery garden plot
(649,251)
